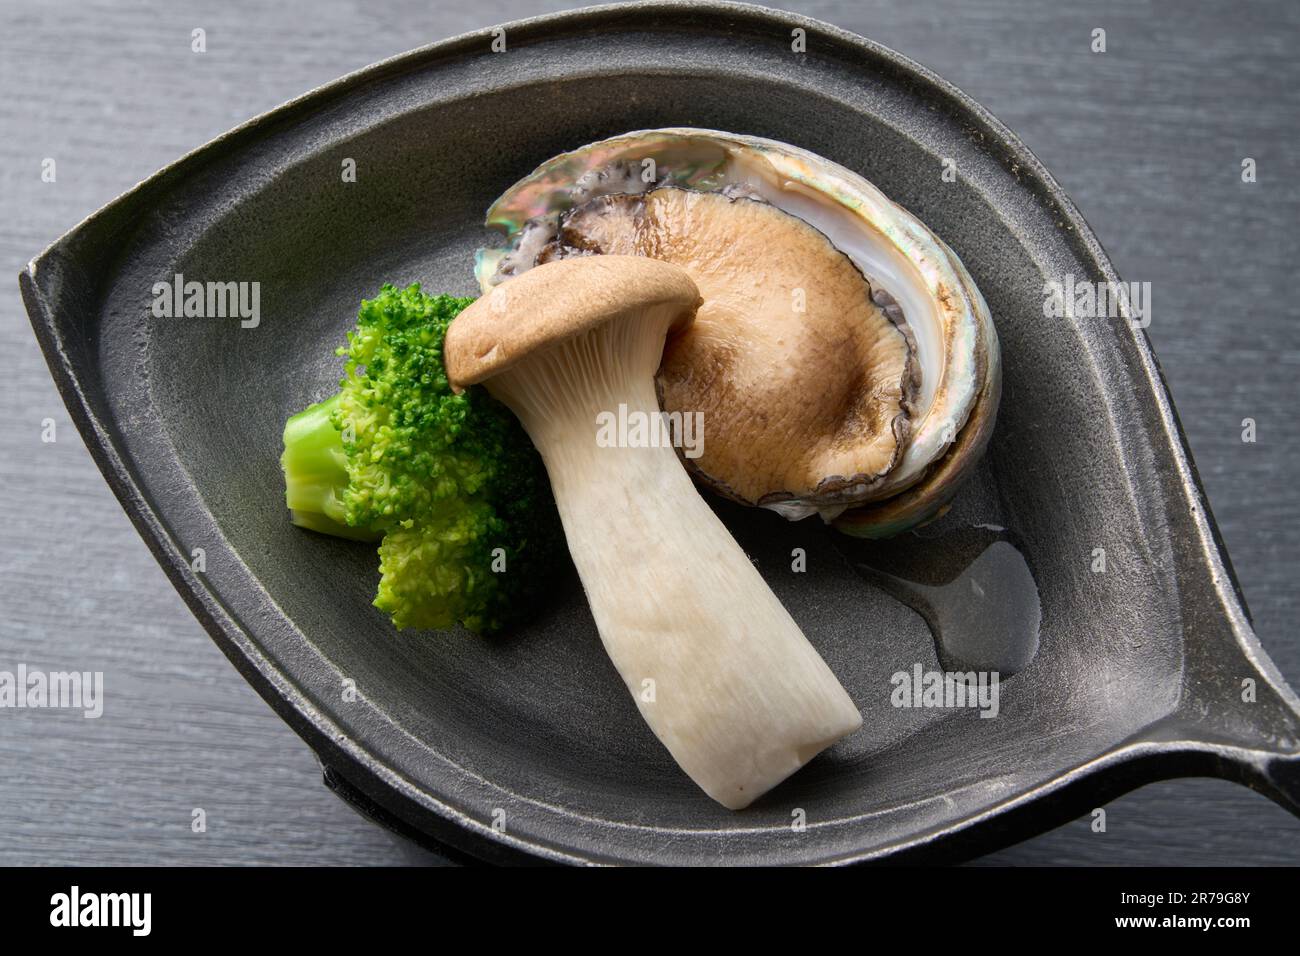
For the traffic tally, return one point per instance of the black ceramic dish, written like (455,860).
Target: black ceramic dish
(1140,671)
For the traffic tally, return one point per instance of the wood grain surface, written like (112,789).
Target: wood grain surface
(1148,138)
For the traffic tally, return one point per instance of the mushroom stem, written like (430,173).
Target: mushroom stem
(718,668)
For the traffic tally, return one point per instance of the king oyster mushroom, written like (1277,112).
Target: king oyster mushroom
(843,358)
(718,668)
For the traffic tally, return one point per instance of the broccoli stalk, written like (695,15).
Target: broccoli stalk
(316,473)
(449,481)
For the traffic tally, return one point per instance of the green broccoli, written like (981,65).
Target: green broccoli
(450,482)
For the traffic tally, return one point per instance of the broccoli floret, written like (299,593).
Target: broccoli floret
(450,482)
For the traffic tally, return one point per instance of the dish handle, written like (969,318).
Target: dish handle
(1238,720)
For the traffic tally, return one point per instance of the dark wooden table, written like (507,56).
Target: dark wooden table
(1148,138)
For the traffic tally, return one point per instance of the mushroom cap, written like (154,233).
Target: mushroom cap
(556,301)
